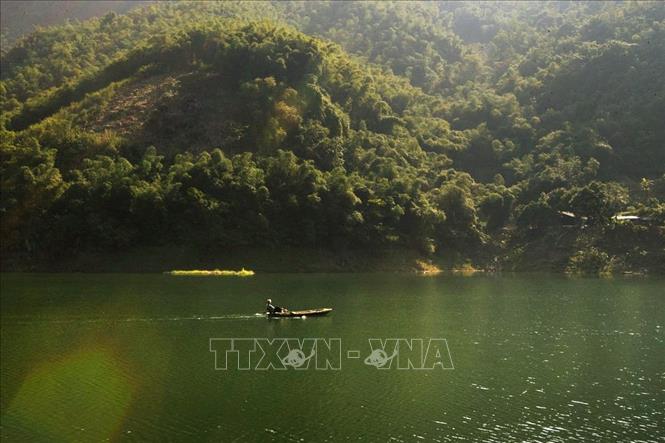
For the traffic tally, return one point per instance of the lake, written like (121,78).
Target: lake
(534,357)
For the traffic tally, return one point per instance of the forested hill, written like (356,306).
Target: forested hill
(510,135)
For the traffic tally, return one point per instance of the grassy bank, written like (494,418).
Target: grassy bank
(543,254)
(261,260)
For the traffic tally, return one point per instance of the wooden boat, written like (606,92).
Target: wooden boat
(303,313)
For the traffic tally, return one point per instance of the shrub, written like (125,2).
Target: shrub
(591,261)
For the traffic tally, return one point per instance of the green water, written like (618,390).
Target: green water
(127,357)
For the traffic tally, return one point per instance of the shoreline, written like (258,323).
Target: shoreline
(272,260)
(261,260)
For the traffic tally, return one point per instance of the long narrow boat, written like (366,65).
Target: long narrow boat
(302,313)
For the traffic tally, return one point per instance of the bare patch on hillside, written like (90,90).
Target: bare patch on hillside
(131,104)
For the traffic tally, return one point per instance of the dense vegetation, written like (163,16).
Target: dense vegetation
(511,135)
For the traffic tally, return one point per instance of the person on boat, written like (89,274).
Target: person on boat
(272,309)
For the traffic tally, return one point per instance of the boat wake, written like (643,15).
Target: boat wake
(131,319)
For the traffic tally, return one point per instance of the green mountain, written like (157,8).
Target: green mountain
(460,131)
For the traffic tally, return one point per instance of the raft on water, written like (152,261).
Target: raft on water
(215,272)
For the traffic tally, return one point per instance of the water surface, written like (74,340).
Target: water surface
(126,357)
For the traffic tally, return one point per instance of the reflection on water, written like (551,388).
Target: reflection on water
(98,357)
(96,392)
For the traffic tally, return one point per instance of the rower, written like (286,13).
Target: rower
(272,309)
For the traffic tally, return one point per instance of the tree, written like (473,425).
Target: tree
(598,201)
